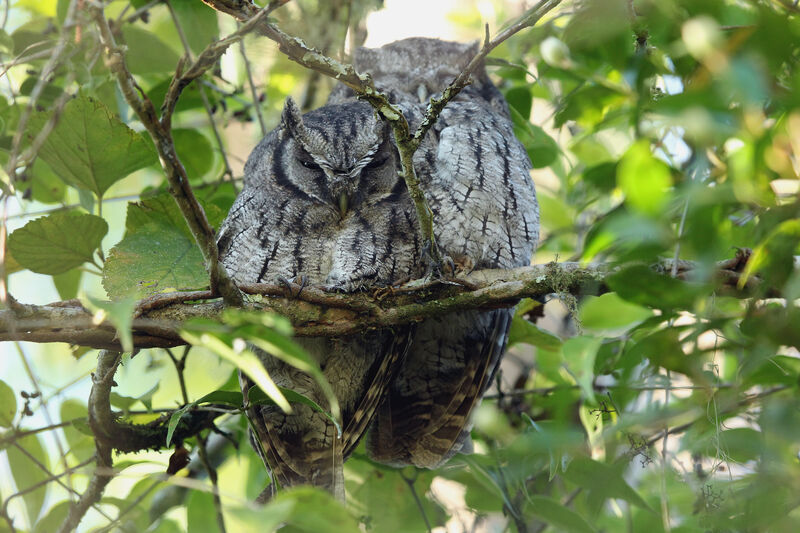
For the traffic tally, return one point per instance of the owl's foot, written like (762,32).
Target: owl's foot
(339,281)
(434,268)
(300,281)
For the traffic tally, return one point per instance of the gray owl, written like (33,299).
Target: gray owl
(323,198)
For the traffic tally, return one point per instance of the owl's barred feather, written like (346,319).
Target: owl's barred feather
(323,198)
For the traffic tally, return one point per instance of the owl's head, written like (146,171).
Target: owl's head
(340,155)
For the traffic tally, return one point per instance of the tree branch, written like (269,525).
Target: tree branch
(314,312)
(177,177)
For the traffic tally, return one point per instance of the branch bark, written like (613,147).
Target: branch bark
(161,133)
(314,312)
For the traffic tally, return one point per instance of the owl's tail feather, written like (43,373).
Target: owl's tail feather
(315,454)
(293,462)
(427,429)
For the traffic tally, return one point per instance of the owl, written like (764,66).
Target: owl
(323,198)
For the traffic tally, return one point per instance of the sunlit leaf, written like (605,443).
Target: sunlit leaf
(644,179)
(91,148)
(119,312)
(579,354)
(608,312)
(57,243)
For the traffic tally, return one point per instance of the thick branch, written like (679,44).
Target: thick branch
(315,312)
(176,173)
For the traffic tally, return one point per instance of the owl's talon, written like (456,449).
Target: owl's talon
(290,283)
(449,266)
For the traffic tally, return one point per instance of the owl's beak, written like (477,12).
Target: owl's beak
(343,201)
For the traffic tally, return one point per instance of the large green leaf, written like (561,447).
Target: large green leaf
(158,251)
(373,486)
(57,243)
(153,259)
(52,520)
(147,54)
(26,468)
(640,284)
(523,331)
(200,19)
(90,147)
(606,480)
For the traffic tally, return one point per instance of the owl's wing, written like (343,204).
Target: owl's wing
(425,418)
(303,447)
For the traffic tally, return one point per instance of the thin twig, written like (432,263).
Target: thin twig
(161,133)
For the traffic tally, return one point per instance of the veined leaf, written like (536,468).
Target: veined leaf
(91,148)
(57,243)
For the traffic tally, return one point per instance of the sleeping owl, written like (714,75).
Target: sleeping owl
(323,198)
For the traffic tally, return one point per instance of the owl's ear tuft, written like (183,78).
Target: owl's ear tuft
(292,118)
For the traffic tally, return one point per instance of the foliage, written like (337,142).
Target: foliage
(657,129)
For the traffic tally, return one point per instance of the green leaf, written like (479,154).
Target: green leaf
(523,331)
(195,152)
(52,520)
(644,179)
(68,283)
(200,513)
(310,510)
(147,54)
(520,99)
(555,514)
(81,445)
(232,398)
(57,243)
(202,21)
(774,256)
(175,418)
(119,312)
(270,333)
(155,258)
(91,148)
(46,186)
(27,472)
(542,149)
(609,312)
(579,355)
(641,285)
(242,357)
(8,405)
(603,479)
(370,487)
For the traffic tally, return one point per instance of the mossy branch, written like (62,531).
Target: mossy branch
(314,312)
